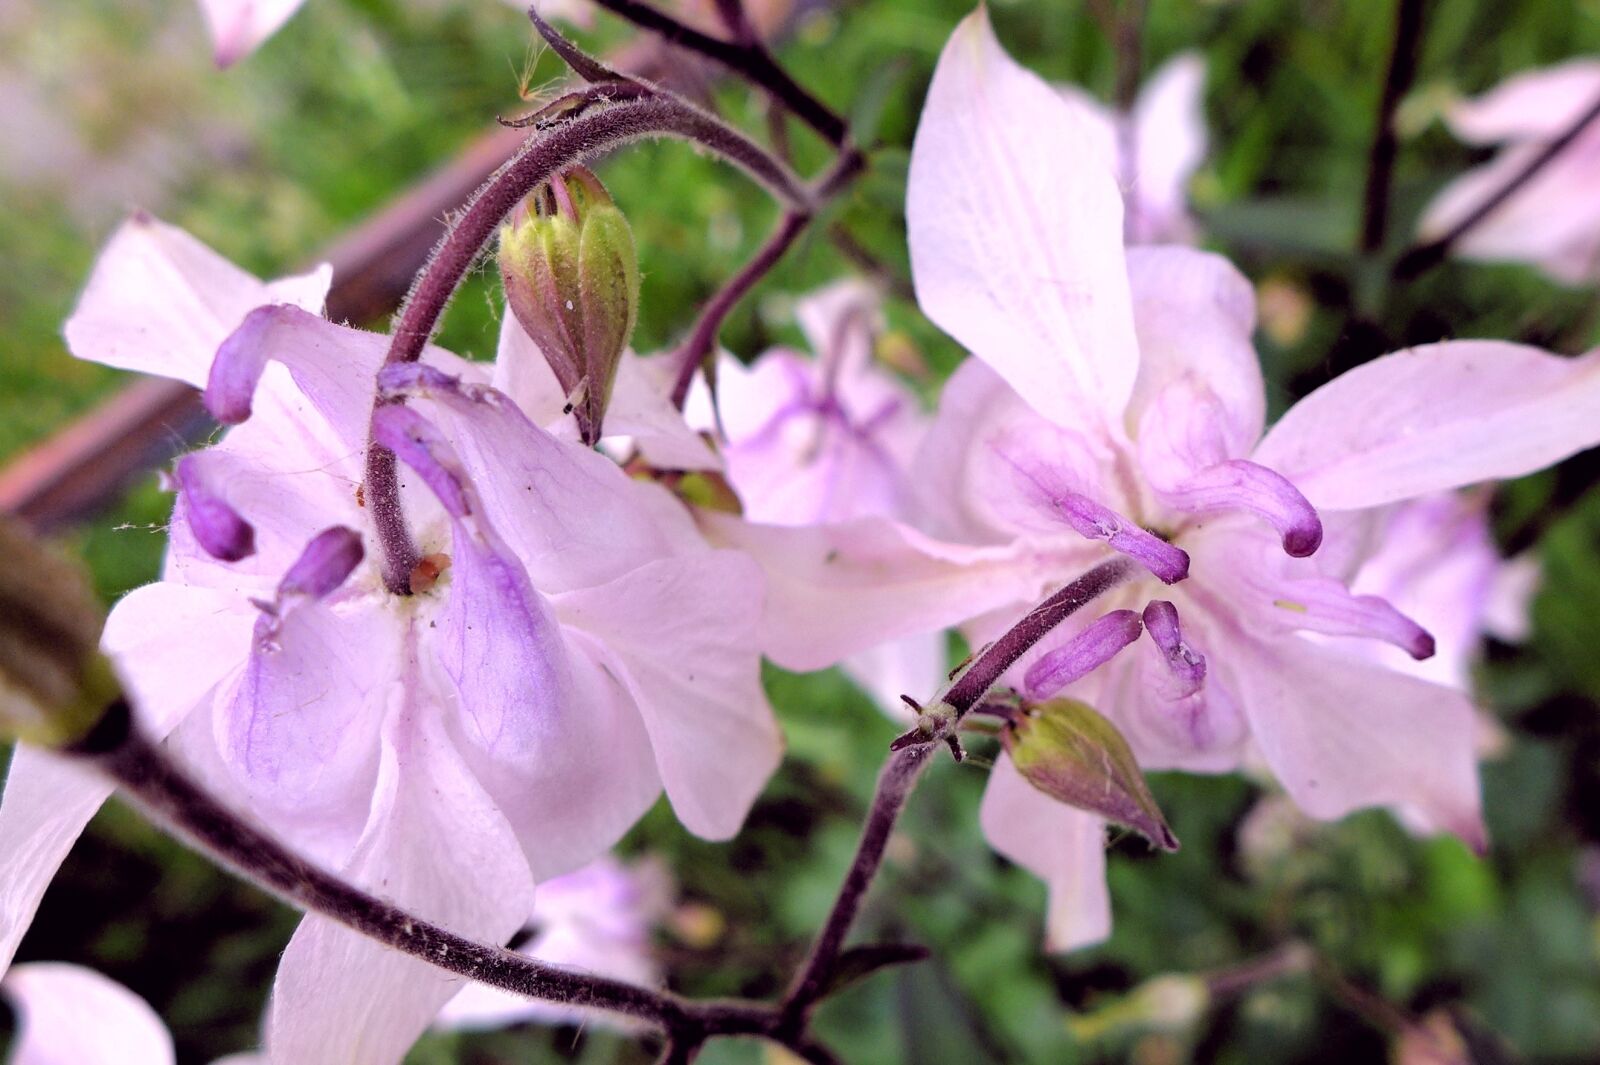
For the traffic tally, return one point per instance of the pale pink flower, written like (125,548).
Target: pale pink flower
(600,920)
(1156,147)
(1115,392)
(828,438)
(72,1015)
(1552,221)
(581,650)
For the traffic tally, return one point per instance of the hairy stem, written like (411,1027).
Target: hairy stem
(1425,256)
(895,783)
(145,773)
(546,152)
(746,57)
(1385,141)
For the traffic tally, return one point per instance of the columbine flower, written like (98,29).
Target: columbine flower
(813,440)
(573,646)
(598,920)
(1554,219)
(1115,406)
(1155,149)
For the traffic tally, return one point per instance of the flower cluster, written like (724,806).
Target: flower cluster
(574,639)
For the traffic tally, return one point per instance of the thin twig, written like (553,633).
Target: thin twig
(1425,256)
(747,57)
(702,337)
(1385,139)
(895,783)
(122,752)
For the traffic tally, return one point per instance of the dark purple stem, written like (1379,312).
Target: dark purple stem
(747,57)
(546,152)
(905,766)
(702,338)
(1385,139)
(1426,256)
(990,664)
(895,782)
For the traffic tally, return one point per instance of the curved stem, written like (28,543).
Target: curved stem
(895,783)
(702,338)
(545,153)
(747,57)
(128,757)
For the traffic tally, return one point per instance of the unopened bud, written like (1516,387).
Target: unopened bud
(54,683)
(1072,754)
(572,279)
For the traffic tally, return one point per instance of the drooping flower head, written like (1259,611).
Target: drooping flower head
(513,716)
(1114,406)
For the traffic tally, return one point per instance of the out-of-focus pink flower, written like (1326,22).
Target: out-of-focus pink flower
(576,648)
(1155,148)
(828,438)
(1115,406)
(599,920)
(1552,221)
(69,1014)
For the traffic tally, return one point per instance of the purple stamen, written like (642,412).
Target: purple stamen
(1324,605)
(330,558)
(1241,485)
(1188,666)
(1095,522)
(1084,653)
(217,527)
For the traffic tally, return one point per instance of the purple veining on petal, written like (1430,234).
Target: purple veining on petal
(1095,522)
(330,558)
(418,443)
(237,368)
(1242,485)
(1187,665)
(1099,641)
(218,528)
(1321,604)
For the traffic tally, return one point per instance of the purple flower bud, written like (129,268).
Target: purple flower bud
(1072,754)
(571,278)
(217,527)
(1087,651)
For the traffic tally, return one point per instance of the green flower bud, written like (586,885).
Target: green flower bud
(1072,754)
(571,277)
(54,683)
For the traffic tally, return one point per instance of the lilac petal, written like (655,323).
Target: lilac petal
(1322,604)
(330,557)
(237,368)
(1188,666)
(217,527)
(1095,522)
(1243,485)
(1087,651)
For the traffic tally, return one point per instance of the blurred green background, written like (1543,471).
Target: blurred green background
(112,104)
